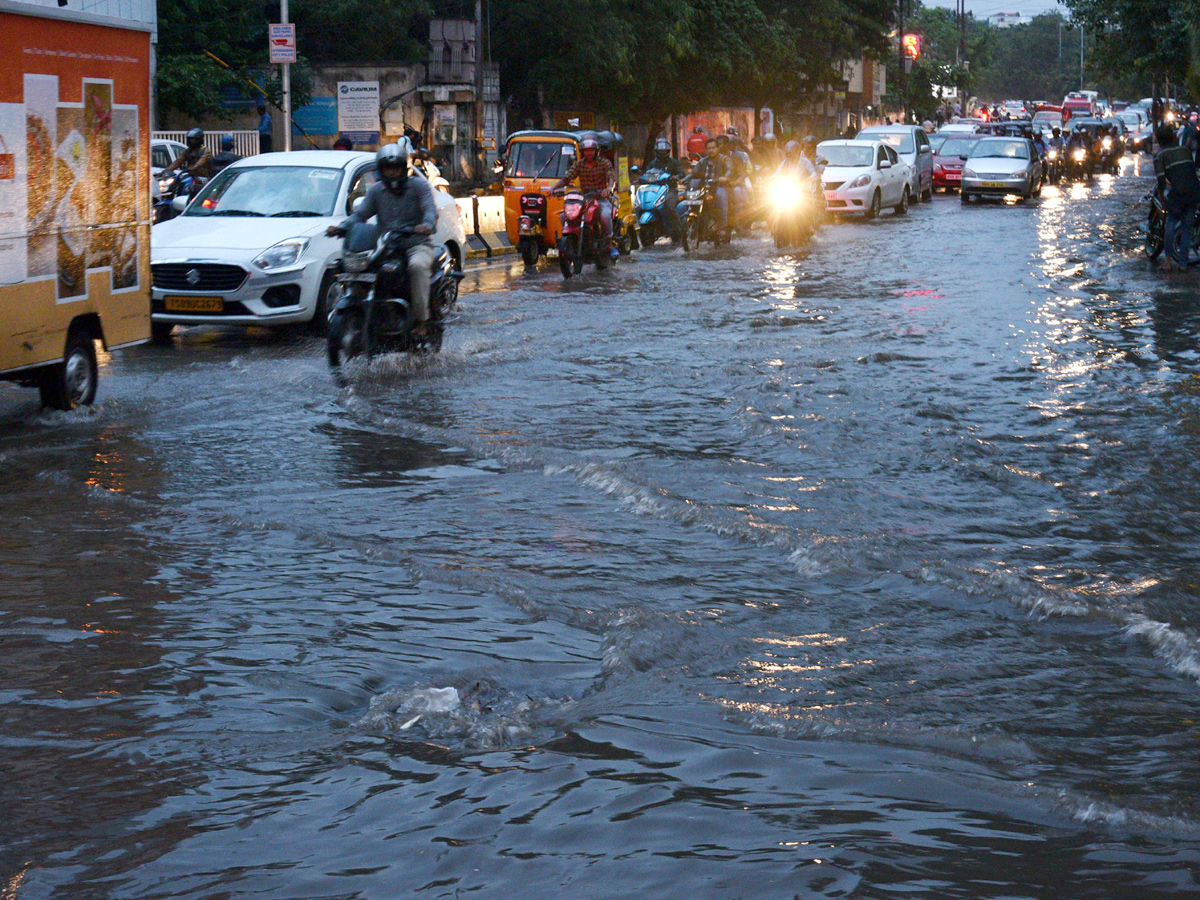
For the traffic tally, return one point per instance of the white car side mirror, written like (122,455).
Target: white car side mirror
(886,164)
(179,204)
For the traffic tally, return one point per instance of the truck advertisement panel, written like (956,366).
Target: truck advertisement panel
(74,184)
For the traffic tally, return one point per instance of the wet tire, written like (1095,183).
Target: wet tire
(876,205)
(160,332)
(928,195)
(964,197)
(902,209)
(73,381)
(564,258)
(691,234)
(1154,240)
(344,340)
(319,324)
(529,252)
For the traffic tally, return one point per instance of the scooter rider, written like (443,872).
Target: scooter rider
(1175,168)
(739,179)
(402,204)
(795,163)
(663,161)
(195,160)
(595,174)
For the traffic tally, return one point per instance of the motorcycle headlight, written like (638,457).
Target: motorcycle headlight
(1080,155)
(356,262)
(164,185)
(785,194)
(1106,143)
(860,181)
(1053,154)
(285,253)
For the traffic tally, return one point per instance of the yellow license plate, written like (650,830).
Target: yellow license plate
(194,304)
(994,184)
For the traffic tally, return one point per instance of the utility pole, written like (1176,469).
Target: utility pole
(1081,56)
(962,56)
(287,87)
(480,155)
(900,58)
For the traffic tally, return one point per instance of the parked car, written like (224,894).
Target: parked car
(911,142)
(251,247)
(864,176)
(1001,167)
(948,160)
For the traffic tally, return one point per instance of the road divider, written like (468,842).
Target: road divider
(483,221)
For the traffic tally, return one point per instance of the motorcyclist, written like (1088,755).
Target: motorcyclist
(226,156)
(1175,168)
(595,174)
(796,163)
(766,154)
(402,204)
(714,168)
(663,161)
(1081,140)
(195,160)
(696,141)
(808,148)
(1057,145)
(741,169)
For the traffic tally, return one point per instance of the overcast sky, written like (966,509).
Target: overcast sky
(984,8)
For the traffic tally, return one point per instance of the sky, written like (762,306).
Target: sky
(984,8)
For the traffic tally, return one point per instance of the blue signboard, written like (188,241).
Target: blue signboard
(319,117)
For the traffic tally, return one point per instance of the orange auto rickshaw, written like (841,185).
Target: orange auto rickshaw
(533,163)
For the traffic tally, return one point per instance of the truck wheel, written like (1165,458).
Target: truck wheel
(71,382)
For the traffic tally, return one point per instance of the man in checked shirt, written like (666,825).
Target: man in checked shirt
(595,174)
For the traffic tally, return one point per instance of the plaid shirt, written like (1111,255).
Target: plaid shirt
(597,176)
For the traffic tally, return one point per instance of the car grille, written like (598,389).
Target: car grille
(833,185)
(198,277)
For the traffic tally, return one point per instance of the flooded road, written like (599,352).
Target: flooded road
(865,572)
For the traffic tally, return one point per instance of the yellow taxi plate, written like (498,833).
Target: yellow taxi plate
(194,304)
(994,184)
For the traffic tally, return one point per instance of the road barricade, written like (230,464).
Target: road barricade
(483,221)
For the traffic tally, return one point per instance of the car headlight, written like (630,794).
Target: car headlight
(285,253)
(969,173)
(1020,173)
(860,181)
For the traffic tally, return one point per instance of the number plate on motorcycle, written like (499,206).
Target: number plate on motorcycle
(194,304)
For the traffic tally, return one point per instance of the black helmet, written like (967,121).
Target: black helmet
(392,162)
(227,142)
(195,138)
(1056,131)
(662,148)
(732,131)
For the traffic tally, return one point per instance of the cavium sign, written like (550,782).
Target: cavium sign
(358,111)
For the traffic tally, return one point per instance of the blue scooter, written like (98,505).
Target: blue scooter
(650,207)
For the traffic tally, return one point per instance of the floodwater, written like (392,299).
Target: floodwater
(865,572)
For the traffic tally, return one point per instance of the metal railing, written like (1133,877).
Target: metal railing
(245,143)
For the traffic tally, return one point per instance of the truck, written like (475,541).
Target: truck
(74,190)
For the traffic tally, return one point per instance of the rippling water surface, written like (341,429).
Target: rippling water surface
(865,572)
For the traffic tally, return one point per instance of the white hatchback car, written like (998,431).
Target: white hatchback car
(251,248)
(863,176)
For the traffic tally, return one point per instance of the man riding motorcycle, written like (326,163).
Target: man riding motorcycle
(1081,139)
(195,160)
(714,168)
(595,174)
(402,204)
(226,156)
(1057,148)
(740,171)
(1175,168)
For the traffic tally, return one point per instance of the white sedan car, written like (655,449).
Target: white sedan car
(864,176)
(251,248)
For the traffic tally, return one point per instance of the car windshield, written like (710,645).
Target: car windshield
(269,191)
(902,143)
(1000,150)
(850,157)
(957,147)
(540,159)
(936,141)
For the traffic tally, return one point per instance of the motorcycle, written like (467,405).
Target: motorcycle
(1054,165)
(699,216)
(176,184)
(582,239)
(369,305)
(1156,226)
(1109,154)
(650,199)
(1078,164)
(794,209)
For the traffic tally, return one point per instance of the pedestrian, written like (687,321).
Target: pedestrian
(264,128)
(1176,171)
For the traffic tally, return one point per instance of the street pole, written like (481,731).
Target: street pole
(287,87)
(900,57)
(480,156)
(1081,56)
(962,55)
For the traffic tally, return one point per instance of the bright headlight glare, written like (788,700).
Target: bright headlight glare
(785,194)
(285,253)
(1080,155)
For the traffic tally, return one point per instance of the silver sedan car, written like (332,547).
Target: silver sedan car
(1002,167)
